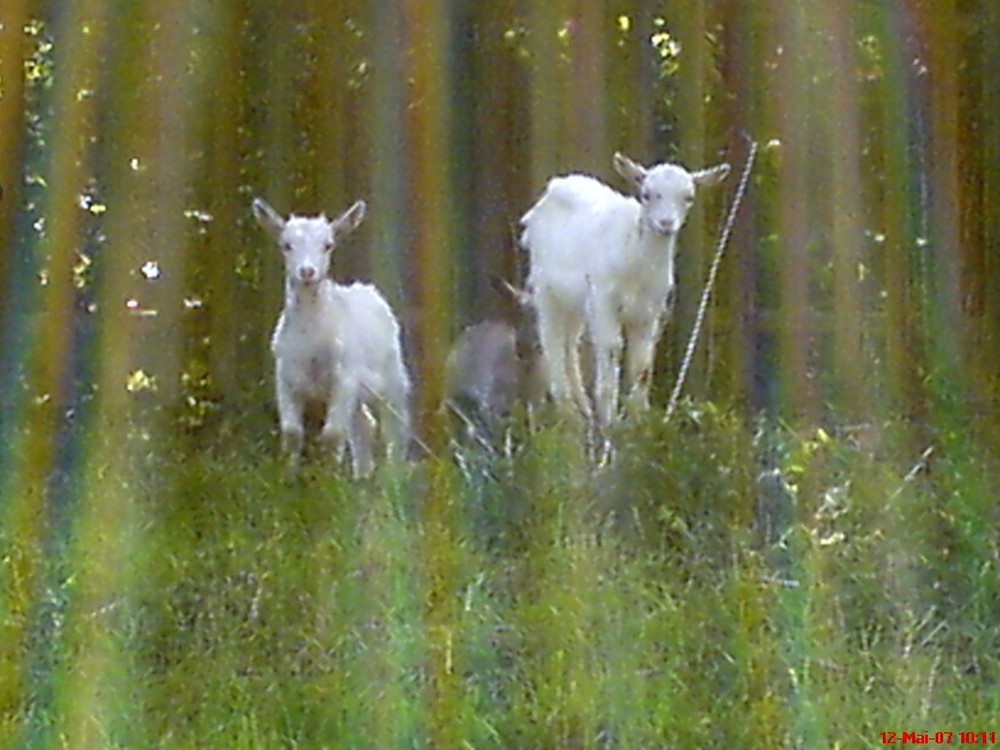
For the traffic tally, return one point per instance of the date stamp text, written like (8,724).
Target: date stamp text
(939,738)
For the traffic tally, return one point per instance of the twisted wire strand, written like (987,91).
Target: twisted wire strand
(706,293)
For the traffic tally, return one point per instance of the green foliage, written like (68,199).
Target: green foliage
(655,601)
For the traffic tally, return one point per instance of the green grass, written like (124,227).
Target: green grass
(521,602)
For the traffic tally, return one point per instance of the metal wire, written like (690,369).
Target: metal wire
(706,293)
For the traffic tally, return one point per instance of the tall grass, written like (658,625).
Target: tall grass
(719,584)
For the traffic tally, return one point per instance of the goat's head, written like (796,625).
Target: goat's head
(306,241)
(524,317)
(666,191)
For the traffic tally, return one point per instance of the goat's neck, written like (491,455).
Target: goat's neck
(303,300)
(652,242)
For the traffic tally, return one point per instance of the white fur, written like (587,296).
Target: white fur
(336,348)
(602,268)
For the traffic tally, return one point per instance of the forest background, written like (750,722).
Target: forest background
(805,556)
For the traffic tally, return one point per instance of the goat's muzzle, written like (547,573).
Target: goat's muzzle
(666,227)
(308,275)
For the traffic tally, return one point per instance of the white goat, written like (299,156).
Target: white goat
(336,348)
(496,364)
(602,264)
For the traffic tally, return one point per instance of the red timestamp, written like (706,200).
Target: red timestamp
(939,738)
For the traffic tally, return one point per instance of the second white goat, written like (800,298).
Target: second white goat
(336,348)
(602,270)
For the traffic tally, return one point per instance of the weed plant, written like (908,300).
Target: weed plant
(716,584)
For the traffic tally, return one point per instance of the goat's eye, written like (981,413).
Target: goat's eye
(328,246)
(645,196)
(689,199)
(286,247)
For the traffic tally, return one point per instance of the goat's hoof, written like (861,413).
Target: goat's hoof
(365,471)
(602,452)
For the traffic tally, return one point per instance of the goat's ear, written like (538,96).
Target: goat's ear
(348,221)
(267,217)
(710,176)
(508,291)
(630,170)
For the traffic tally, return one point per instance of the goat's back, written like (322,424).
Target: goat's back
(578,231)
(368,335)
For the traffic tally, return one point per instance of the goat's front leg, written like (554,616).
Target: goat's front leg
(291,419)
(639,354)
(607,371)
(336,431)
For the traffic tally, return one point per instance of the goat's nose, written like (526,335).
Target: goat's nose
(667,226)
(307,273)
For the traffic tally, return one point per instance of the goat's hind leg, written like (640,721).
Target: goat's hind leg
(554,360)
(575,378)
(606,338)
(559,334)
(360,441)
(394,423)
